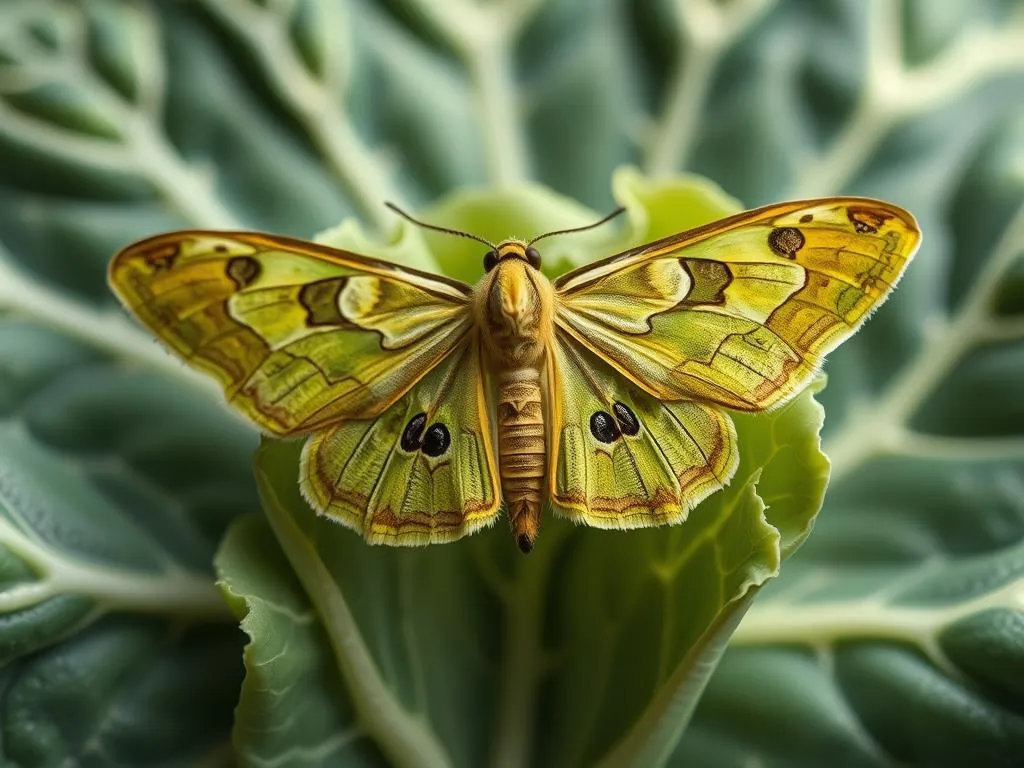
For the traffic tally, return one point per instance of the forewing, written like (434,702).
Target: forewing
(621,458)
(388,478)
(743,311)
(299,335)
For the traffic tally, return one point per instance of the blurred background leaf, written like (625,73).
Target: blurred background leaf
(893,637)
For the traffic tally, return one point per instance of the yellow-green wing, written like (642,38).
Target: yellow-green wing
(422,471)
(299,335)
(740,312)
(621,458)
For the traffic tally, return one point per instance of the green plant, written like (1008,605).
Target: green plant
(892,637)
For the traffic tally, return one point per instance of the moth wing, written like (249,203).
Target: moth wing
(422,471)
(621,458)
(299,335)
(740,312)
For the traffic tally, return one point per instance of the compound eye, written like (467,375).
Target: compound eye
(533,257)
(490,260)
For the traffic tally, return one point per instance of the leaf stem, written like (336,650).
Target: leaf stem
(174,591)
(706,30)
(405,739)
(893,93)
(674,137)
(959,449)
(144,149)
(504,143)
(826,623)
(1002,330)
(316,104)
(187,189)
(484,37)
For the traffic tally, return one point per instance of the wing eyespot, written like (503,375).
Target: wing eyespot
(786,241)
(436,440)
(604,428)
(410,441)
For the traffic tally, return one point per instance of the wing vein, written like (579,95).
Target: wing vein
(602,398)
(700,448)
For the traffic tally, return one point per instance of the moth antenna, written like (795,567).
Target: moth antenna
(436,228)
(584,228)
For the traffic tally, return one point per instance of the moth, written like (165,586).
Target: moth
(426,403)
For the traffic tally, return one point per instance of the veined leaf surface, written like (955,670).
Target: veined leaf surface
(892,637)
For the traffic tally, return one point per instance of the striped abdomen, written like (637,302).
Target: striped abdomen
(522,453)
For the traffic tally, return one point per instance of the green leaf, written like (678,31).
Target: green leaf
(892,636)
(109,515)
(293,707)
(593,649)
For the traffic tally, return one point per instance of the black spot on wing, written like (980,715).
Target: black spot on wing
(604,428)
(411,434)
(786,241)
(436,440)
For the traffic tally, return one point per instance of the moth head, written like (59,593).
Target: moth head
(511,249)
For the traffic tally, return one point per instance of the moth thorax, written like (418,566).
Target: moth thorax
(514,315)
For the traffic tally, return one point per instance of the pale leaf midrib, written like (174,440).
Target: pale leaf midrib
(891,617)
(406,739)
(175,590)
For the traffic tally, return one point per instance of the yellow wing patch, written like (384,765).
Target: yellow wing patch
(743,311)
(299,335)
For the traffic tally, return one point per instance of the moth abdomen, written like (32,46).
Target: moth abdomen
(522,452)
